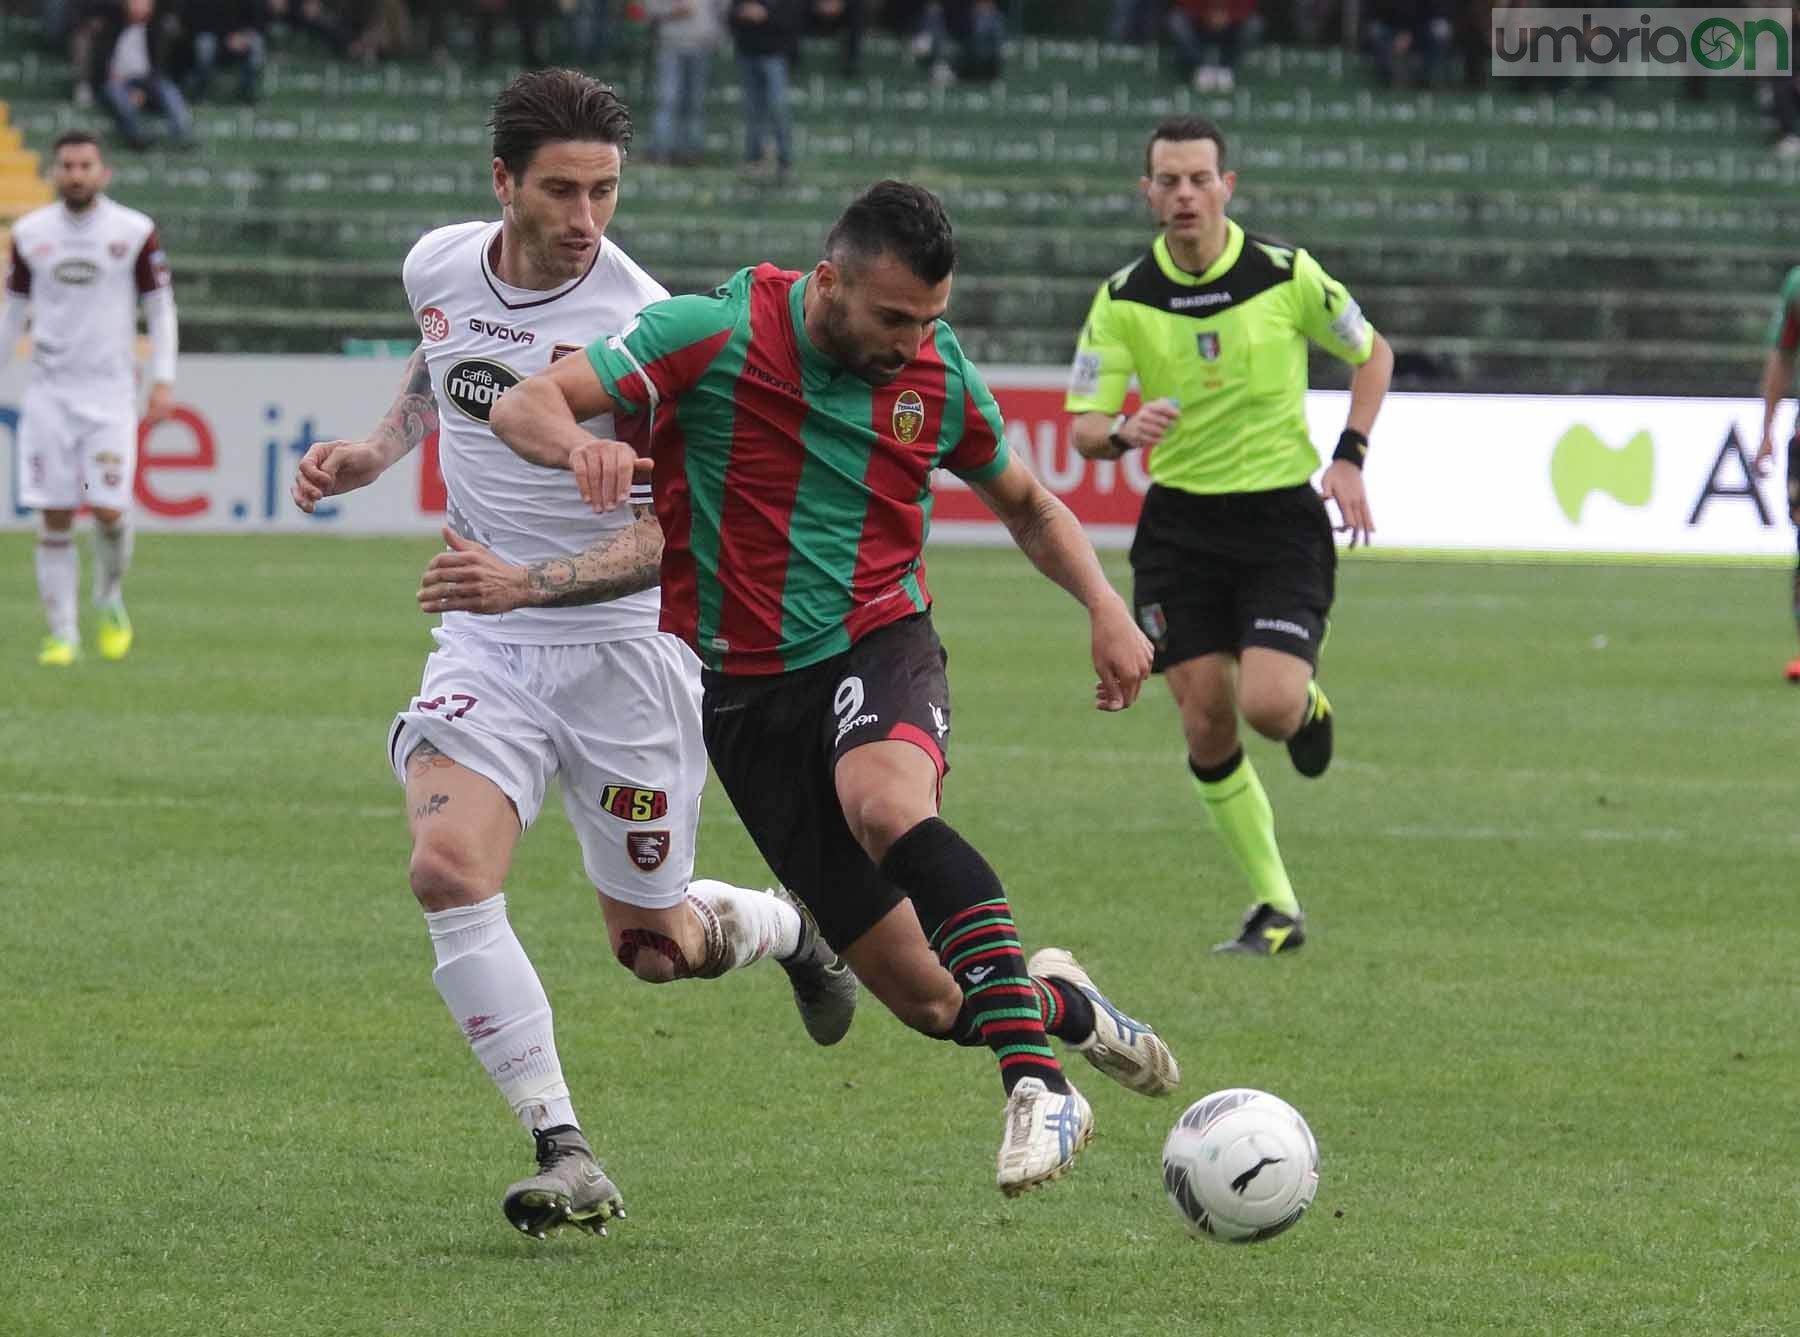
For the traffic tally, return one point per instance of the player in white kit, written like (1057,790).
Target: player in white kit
(82,267)
(549,661)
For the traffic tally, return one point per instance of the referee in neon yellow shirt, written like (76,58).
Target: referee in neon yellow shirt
(1233,565)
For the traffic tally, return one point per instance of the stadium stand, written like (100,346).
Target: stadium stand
(1502,239)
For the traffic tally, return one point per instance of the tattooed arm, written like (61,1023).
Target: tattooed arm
(471,579)
(334,467)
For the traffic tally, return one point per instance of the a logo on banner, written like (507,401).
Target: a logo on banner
(475,383)
(434,324)
(909,417)
(648,849)
(1208,343)
(1582,464)
(631,804)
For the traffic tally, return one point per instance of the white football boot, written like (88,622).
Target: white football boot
(1128,1051)
(1044,1129)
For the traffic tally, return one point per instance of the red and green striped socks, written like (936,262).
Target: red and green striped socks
(955,889)
(980,948)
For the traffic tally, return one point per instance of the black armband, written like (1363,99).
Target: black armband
(1351,446)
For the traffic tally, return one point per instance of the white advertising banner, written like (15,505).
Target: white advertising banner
(1479,472)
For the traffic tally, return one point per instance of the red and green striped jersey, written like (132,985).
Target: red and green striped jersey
(794,497)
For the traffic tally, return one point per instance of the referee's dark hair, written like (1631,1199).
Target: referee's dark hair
(894,218)
(76,136)
(545,106)
(1186,127)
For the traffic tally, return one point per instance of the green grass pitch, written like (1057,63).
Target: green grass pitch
(1545,1030)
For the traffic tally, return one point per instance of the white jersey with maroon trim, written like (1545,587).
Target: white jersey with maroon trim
(481,336)
(83,275)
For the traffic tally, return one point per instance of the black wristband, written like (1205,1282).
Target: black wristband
(1120,444)
(1352,446)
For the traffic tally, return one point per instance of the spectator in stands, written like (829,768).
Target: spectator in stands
(55,20)
(1133,22)
(226,32)
(313,17)
(384,28)
(979,31)
(687,33)
(526,15)
(766,34)
(1411,40)
(127,65)
(825,18)
(588,22)
(1210,36)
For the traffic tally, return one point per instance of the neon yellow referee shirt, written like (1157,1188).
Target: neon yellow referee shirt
(1230,346)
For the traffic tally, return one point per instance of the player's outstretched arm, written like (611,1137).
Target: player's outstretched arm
(333,467)
(1049,534)
(1343,480)
(472,579)
(1777,383)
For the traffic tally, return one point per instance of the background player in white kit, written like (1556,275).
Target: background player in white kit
(82,266)
(566,674)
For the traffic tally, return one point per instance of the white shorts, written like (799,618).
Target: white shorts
(618,722)
(76,448)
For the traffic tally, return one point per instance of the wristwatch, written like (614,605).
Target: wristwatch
(1114,439)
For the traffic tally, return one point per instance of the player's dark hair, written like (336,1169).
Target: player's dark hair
(893,218)
(546,106)
(68,137)
(1180,128)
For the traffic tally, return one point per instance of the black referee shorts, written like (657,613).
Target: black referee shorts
(1216,573)
(775,740)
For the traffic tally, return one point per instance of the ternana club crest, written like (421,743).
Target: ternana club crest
(909,417)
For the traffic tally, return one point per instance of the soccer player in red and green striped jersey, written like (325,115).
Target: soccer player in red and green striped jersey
(794,421)
(1777,385)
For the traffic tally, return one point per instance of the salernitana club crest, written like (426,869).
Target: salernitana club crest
(909,417)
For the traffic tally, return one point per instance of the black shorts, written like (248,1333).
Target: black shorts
(1214,574)
(1794,479)
(775,741)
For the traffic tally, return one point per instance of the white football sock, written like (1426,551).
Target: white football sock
(742,926)
(494,994)
(112,558)
(58,572)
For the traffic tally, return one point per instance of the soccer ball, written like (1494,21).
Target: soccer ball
(1241,1166)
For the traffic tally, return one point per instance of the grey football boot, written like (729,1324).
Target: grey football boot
(824,987)
(569,1189)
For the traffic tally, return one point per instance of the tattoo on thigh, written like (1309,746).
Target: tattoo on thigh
(431,807)
(425,759)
